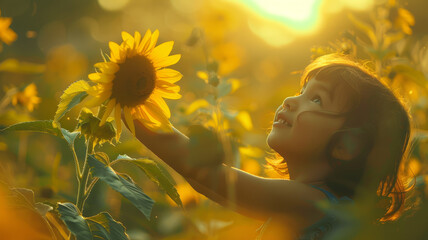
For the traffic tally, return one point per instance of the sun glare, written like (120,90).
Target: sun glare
(299,15)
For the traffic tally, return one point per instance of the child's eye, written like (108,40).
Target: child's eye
(317,99)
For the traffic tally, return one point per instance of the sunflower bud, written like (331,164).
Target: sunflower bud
(88,125)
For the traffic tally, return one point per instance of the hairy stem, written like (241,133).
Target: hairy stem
(83,179)
(76,164)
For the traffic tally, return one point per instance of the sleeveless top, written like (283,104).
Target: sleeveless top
(325,225)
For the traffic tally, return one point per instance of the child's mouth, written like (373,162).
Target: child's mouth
(280,122)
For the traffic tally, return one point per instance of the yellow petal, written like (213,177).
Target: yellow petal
(141,112)
(169,75)
(245,120)
(155,112)
(109,109)
(149,125)
(200,103)
(145,42)
(118,119)
(158,100)
(129,120)
(161,51)
(107,67)
(114,51)
(167,61)
(94,101)
(137,39)
(167,93)
(153,40)
(202,75)
(128,39)
(167,85)
(101,78)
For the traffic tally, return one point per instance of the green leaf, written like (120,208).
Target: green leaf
(103,226)
(155,173)
(103,157)
(224,88)
(75,222)
(72,96)
(128,189)
(364,27)
(69,136)
(35,126)
(100,226)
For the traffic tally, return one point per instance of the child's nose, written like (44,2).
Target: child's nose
(290,103)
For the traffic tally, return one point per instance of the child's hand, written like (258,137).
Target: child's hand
(206,149)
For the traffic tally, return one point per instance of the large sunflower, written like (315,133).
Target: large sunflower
(136,80)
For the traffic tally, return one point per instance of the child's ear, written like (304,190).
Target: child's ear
(347,147)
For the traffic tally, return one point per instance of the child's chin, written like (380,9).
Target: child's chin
(273,140)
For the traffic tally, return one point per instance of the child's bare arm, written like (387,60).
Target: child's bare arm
(255,196)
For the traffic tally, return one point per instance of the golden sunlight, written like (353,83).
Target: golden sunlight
(279,22)
(299,15)
(113,5)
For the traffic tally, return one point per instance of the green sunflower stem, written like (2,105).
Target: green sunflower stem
(83,179)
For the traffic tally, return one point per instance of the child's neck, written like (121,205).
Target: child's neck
(309,172)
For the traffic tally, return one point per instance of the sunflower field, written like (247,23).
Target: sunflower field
(76,76)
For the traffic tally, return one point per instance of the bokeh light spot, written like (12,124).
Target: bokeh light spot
(113,5)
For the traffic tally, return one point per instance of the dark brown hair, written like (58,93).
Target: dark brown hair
(381,124)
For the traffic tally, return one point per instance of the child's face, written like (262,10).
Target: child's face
(307,132)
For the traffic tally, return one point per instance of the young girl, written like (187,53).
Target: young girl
(345,132)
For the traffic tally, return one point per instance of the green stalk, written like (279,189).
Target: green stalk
(84,191)
(83,179)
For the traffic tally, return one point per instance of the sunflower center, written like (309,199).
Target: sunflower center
(134,82)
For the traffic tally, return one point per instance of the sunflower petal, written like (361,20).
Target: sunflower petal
(107,67)
(149,125)
(167,61)
(162,50)
(128,39)
(153,40)
(145,42)
(109,109)
(100,78)
(137,39)
(167,93)
(115,52)
(118,119)
(158,100)
(129,120)
(93,101)
(156,112)
(168,75)
(165,84)
(170,87)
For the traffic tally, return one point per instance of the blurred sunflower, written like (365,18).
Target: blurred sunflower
(401,18)
(27,98)
(7,35)
(136,80)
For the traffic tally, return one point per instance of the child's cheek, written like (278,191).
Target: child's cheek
(315,129)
